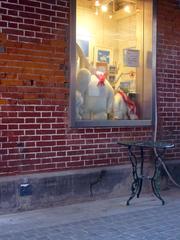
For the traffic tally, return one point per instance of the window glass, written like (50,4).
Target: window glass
(113,60)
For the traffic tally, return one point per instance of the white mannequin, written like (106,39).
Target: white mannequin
(79,105)
(97,97)
(121,108)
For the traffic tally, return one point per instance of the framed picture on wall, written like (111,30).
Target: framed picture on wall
(131,57)
(112,78)
(84,45)
(103,55)
(112,69)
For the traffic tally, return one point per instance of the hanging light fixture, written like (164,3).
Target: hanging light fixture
(128,8)
(97,4)
(104,8)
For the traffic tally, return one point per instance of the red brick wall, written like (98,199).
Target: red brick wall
(168,71)
(34,103)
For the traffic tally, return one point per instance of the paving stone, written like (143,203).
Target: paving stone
(97,220)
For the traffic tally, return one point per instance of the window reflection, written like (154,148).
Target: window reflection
(113,63)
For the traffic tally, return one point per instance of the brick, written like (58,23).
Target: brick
(29,9)
(12,31)
(60,154)
(45,132)
(12,6)
(29,21)
(29,27)
(45,24)
(13,1)
(30,3)
(45,18)
(61,165)
(60,20)
(29,114)
(45,35)
(45,143)
(49,2)
(61,7)
(3,101)
(29,126)
(75,164)
(46,149)
(13,136)
(12,25)
(45,126)
(89,163)
(3,24)
(28,139)
(45,155)
(13,38)
(45,30)
(49,166)
(12,120)
(62,148)
(46,6)
(102,162)
(78,152)
(3,11)
(45,12)
(88,157)
(28,169)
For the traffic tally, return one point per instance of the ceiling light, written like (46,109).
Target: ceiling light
(137,10)
(104,8)
(97,4)
(127,8)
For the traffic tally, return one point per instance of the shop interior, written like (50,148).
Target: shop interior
(112,47)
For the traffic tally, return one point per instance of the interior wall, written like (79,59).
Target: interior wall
(126,29)
(99,30)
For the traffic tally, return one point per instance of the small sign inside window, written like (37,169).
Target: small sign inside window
(131,57)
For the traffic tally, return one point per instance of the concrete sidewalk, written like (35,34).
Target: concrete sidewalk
(108,219)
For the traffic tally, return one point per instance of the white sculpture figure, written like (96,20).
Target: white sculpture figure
(97,95)
(124,107)
(82,61)
(79,105)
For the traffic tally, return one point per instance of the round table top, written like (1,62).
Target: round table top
(147,144)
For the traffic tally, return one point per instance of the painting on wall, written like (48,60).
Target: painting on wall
(84,45)
(103,55)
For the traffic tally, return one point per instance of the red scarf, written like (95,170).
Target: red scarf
(101,77)
(131,105)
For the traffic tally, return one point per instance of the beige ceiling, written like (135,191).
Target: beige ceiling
(114,4)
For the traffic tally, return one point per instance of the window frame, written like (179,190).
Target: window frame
(73,122)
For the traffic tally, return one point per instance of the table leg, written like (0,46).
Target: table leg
(156,191)
(141,173)
(137,182)
(155,178)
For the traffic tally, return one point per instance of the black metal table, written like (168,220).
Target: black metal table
(138,176)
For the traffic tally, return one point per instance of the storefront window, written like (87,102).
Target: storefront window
(112,84)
